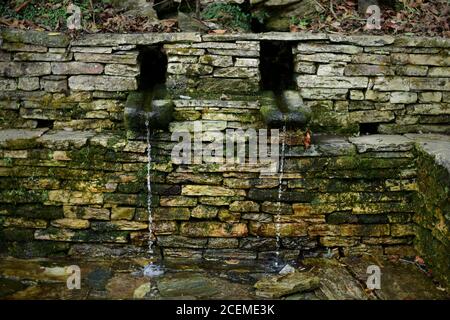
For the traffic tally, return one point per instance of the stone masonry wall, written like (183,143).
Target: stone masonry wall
(398,84)
(72,183)
(81,191)
(432,218)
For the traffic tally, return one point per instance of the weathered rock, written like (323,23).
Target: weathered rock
(71,223)
(80,236)
(225,85)
(381,143)
(204,212)
(61,140)
(423,96)
(276,208)
(236,72)
(182,285)
(411,70)
(283,229)
(28,69)
(123,58)
(181,242)
(260,217)
(17,46)
(76,68)
(142,291)
(367,70)
(46,39)
(122,213)
(73,212)
(196,190)
(363,40)
(244,206)
(223,243)
(29,56)
(213,229)
(305,67)
(178,201)
(282,285)
(135,39)
(324,94)
(336,283)
(331,82)
(53,84)
(403,97)
(102,83)
(258,244)
(8,84)
(169,213)
(19,139)
(28,83)
(309,48)
(331,69)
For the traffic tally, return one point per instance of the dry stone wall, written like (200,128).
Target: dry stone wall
(72,183)
(394,85)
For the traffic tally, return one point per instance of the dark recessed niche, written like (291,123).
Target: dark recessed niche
(368,128)
(153,62)
(277,66)
(167,9)
(45,124)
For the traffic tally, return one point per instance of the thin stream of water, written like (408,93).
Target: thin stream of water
(149,189)
(280,193)
(151,270)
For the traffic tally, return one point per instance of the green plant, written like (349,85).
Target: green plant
(302,23)
(229,15)
(49,13)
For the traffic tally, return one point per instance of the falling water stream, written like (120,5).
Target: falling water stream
(280,193)
(152,269)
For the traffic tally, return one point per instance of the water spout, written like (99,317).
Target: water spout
(286,108)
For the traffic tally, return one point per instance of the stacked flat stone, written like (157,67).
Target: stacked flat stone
(399,83)
(82,191)
(214,67)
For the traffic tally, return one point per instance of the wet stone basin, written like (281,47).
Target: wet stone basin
(342,279)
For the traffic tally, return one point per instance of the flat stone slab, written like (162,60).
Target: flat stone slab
(436,145)
(115,39)
(282,36)
(19,138)
(382,143)
(64,139)
(333,145)
(363,40)
(122,278)
(181,285)
(282,285)
(336,282)
(194,285)
(51,39)
(400,280)
(323,145)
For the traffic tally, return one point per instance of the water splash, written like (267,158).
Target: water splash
(152,269)
(280,193)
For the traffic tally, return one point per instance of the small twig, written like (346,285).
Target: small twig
(160,3)
(332,10)
(197,9)
(22,6)
(93,12)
